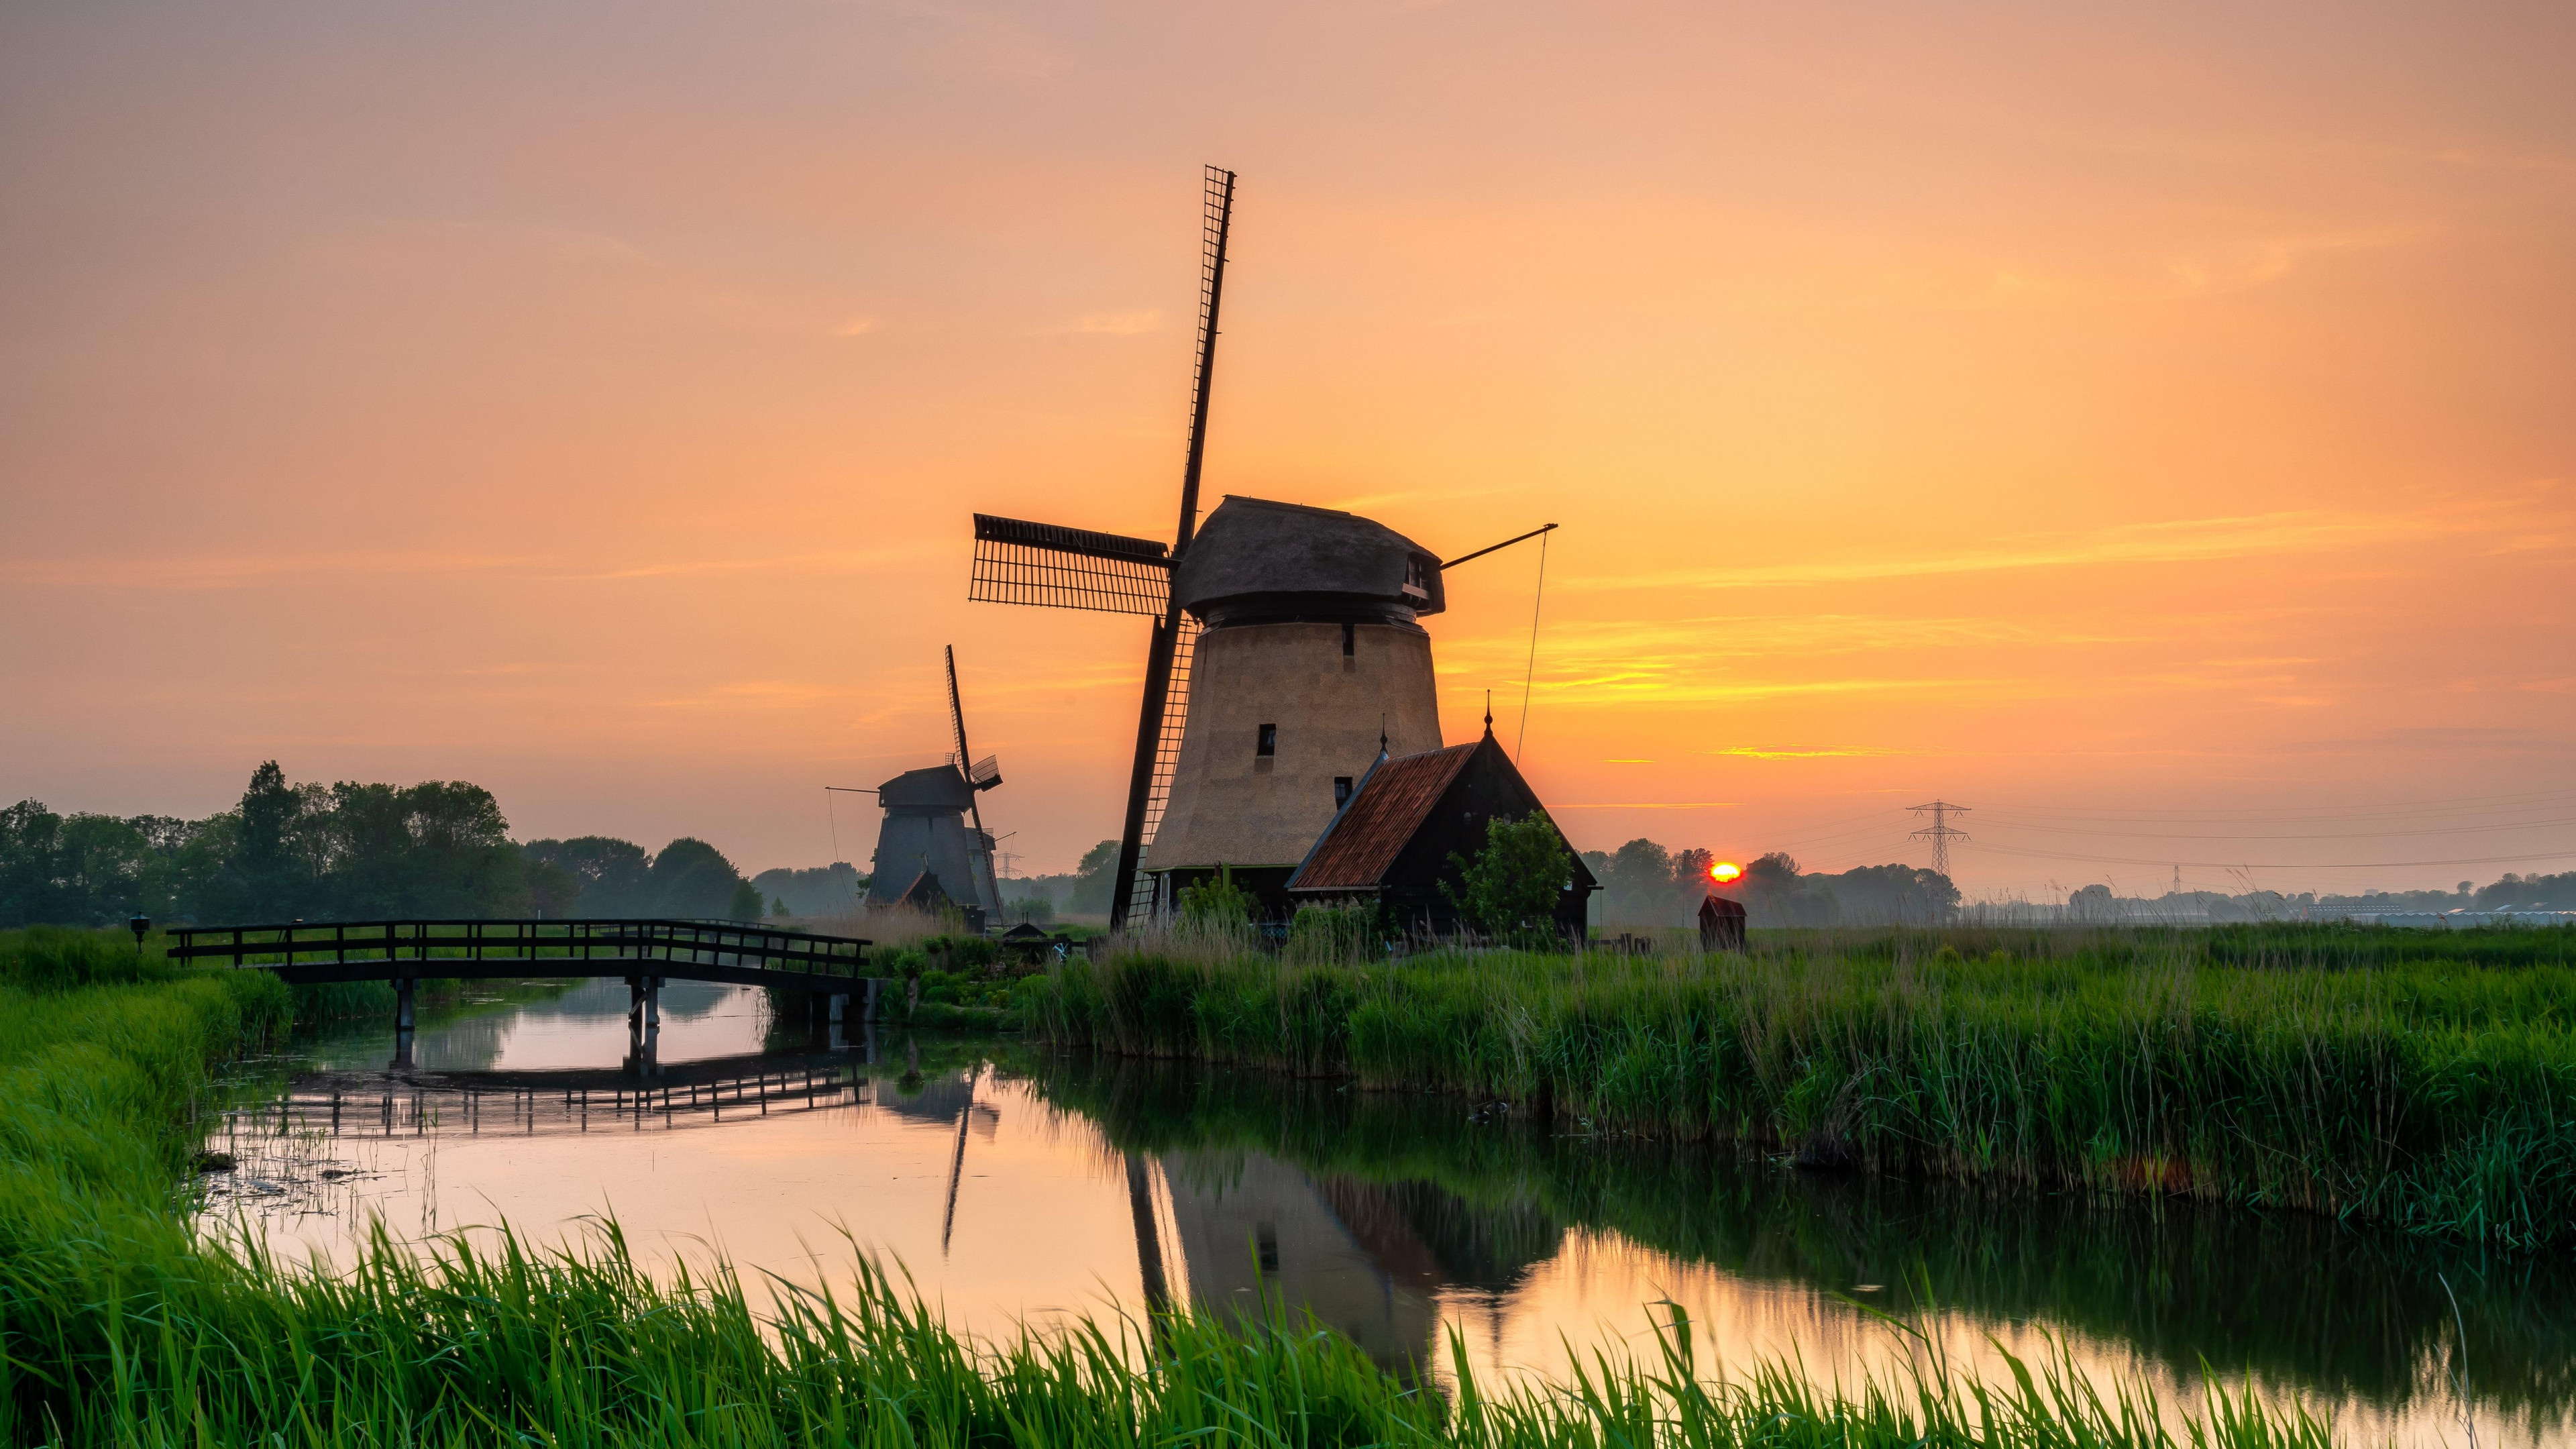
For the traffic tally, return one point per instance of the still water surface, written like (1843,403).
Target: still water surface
(1017,1186)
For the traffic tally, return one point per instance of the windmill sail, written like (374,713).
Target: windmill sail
(1167,758)
(1167,694)
(1054,567)
(1047,565)
(988,890)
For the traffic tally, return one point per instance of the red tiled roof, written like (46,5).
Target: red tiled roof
(1361,845)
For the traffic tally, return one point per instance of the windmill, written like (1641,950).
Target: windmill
(1019,562)
(1318,664)
(925,847)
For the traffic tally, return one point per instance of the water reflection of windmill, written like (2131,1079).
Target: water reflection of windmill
(1374,1260)
(928,852)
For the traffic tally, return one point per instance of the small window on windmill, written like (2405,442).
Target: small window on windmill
(1341,791)
(1417,580)
(1265,1241)
(1350,638)
(1269,744)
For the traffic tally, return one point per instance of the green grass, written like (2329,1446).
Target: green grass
(2360,1074)
(118,1327)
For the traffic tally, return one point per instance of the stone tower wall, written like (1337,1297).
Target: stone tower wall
(1231,806)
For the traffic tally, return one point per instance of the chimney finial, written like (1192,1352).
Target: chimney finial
(1489,714)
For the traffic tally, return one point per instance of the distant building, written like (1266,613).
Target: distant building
(925,834)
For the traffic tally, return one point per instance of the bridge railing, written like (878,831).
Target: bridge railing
(611,943)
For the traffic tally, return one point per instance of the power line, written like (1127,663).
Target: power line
(2276,865)
(2010,824)
(2467,804)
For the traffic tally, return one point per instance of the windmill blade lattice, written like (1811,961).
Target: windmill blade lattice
(1053,567)
(1167,759)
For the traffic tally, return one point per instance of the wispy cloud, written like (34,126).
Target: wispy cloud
(2171,541)
(1806,752)
(1651,805)
(244,570)
(1116,324)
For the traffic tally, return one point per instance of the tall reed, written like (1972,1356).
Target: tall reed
(2430,1094)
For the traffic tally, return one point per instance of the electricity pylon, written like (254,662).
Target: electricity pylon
(1939,832)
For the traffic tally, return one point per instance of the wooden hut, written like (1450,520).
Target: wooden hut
(1393,841)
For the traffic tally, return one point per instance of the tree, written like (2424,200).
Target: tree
(822,890)
(274,866)
(1639,877)
(30,845)
(2531,892)
(1515,882)
(554,893)
(1894,895)
(103,865)
(746,904)
(613,877)
(1093,878)
(1690,874)
(1775,894)
(693,880)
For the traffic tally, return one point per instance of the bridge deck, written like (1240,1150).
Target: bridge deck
(669,950)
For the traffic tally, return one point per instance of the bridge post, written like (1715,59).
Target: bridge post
(643,1047)
(402,1021)
(652,1003)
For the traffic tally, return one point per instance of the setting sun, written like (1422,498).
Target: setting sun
(1724,872)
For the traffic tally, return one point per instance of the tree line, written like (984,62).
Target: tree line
(1645,884)
(440,849)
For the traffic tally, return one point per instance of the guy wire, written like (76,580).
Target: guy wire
(1530,673)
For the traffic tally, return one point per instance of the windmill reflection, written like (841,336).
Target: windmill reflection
(1368,1259)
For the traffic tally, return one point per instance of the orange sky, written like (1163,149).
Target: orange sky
(2152,421)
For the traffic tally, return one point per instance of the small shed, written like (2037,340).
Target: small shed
(1721,924)
(1393,840)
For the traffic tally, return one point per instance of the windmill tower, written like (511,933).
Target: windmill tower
(926,832)
(1284,651)
(1309,661)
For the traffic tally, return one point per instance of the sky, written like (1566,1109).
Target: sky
(2147,425)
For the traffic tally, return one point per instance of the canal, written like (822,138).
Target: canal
(1018,1186)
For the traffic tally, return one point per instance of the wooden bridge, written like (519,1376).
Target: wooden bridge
(645,952)
(725,951)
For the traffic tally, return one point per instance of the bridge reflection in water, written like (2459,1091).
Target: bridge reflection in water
(694,1094)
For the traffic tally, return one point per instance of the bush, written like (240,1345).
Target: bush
(53,958)
(1329,935)
(1512,887)
(1218,903)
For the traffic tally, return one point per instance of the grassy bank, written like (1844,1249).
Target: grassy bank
(2404,1079)
(116,1327)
